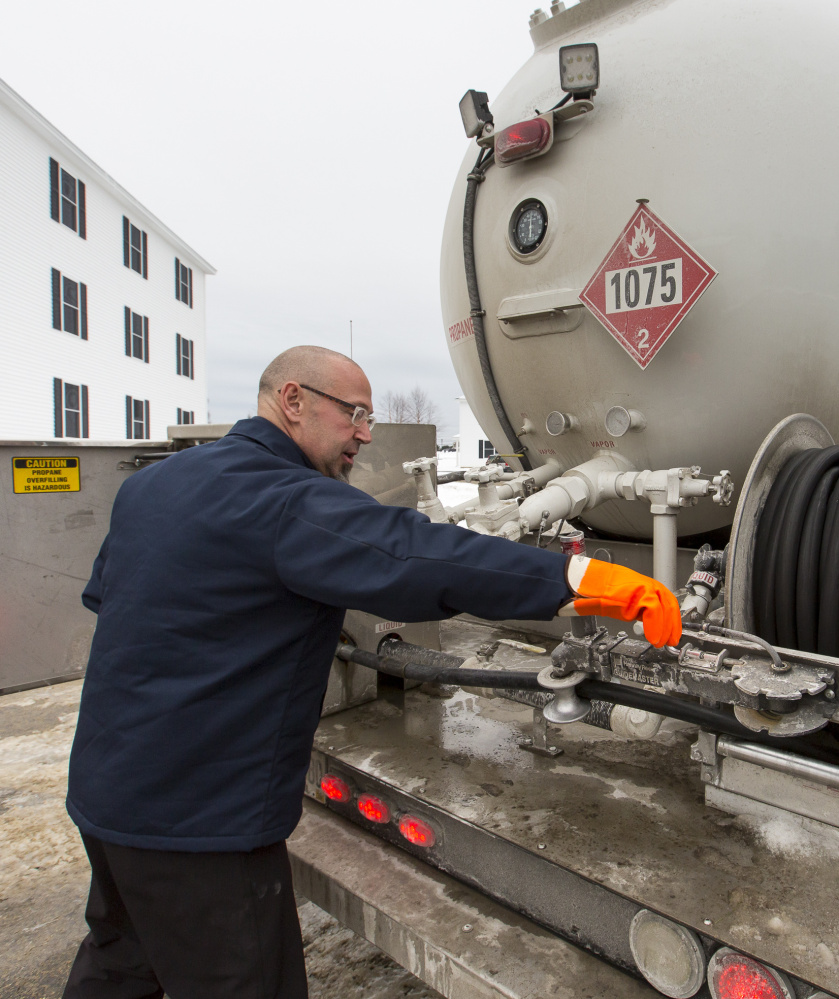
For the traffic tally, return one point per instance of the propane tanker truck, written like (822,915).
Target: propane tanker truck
(639,295)
(640,298)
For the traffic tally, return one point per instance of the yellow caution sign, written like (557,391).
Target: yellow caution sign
(46,475)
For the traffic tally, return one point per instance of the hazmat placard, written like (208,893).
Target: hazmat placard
(646,285)
(46,475)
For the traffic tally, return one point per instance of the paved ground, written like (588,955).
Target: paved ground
(44,873)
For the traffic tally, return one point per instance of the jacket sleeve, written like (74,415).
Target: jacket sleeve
(92,595)
(336,545)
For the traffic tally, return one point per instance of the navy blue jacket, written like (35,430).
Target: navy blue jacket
(221,591)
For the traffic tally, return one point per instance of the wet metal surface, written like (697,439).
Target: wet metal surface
(455,939)
(628,816)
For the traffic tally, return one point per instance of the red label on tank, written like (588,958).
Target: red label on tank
(646,285)
(461,330)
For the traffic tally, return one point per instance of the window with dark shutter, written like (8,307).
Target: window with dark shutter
(135,248)
(137,349)
(136,335)
(137,418)
(184,356)
(69,305)
(183,283)
(71,409)
(71,308)
(67,199)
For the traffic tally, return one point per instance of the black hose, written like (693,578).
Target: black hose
(477,312)
(428,672)
(710,719)
(795,588)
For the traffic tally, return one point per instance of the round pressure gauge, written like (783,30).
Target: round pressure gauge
(528,225)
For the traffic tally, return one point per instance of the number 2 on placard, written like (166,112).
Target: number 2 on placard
(644,342)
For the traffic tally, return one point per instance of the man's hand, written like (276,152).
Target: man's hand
(608,590)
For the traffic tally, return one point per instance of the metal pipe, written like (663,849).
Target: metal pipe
(714,629)
(664,549)
(777,759)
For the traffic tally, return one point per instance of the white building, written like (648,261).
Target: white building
(101,305)
(473,445)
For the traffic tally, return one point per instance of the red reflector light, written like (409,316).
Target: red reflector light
(335,788)
(416,831)
(735,976)
(524,139)
(373,808)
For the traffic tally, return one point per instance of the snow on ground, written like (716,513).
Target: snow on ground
(452,493)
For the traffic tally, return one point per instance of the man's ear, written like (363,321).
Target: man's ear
(291,401)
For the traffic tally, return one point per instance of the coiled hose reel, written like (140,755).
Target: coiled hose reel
(783,568)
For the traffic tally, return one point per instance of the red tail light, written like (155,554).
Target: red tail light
(527,138)
(335,788)
(416,831)
(373,808)
(735,976)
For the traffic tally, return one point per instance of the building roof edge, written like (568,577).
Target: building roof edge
(11,99)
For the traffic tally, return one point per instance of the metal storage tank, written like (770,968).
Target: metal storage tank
(723,115)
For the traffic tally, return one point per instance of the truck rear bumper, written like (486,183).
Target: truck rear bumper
(456,940)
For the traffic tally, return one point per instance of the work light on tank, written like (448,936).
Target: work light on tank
(579,69)
(475,112)
(668,955)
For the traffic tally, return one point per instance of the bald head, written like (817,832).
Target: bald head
(305,365)
(310,394)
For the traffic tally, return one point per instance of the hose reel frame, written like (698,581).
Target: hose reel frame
(797,433)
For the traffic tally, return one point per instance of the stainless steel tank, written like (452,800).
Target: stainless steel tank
(723,114)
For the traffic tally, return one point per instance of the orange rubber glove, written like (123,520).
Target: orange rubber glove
(609,590)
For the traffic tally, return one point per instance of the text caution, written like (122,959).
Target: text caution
(46,475)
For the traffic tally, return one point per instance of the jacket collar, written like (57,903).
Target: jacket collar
(258,429)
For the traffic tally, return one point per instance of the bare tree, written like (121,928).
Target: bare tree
(415,407)
(420,407)
(393,408)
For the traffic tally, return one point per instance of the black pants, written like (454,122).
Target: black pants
(195,925)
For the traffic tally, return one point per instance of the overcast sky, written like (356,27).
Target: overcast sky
(307,151)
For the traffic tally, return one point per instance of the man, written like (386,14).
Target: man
(221,590)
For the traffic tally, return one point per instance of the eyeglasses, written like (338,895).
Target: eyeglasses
(359,413)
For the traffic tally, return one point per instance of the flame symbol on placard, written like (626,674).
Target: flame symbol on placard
(643,242)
